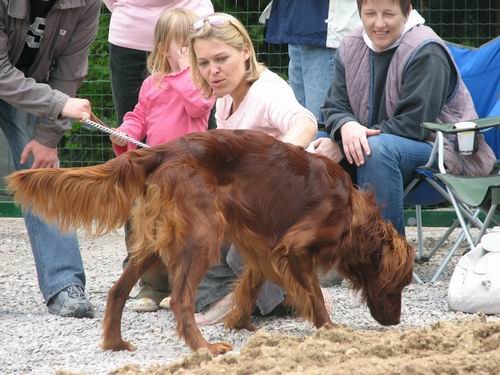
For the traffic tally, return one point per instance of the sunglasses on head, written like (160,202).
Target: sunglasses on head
(216,20)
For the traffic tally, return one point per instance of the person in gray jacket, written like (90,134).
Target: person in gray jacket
(43,60)
(391,75)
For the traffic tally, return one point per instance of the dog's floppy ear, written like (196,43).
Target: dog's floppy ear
(397,260)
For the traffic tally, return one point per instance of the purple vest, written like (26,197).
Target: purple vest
(355,56)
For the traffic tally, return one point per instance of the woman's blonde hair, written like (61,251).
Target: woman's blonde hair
(173,25)
(229,30)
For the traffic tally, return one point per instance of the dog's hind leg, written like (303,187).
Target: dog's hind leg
(244,297)
(117,296)
(186,274)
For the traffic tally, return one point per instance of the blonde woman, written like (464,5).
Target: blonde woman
(249,96)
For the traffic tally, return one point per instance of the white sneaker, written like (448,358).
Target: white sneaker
(216,312)
(165,303)
(143,305)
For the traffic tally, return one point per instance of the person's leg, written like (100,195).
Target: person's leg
(388,169)
(270,295)
(128,71)
(317,76)
(154,284)
(57,256)
(295,77)
(217,283)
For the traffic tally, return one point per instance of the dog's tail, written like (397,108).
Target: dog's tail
(80,197)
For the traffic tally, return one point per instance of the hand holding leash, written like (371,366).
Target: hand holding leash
(113,132)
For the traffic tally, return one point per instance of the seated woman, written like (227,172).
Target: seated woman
(391,75)
(249,96)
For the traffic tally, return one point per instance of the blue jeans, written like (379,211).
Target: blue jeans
(57,255)
(310,74)
(388,169)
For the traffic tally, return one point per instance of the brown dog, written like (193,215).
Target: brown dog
(289,213)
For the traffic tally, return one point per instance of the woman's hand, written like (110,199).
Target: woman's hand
(328,148)
(355,143)
(117,140)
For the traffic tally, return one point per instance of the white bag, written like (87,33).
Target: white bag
(475,283)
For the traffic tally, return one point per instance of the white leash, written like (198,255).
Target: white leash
(114,132)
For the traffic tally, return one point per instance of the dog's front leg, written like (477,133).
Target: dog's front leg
(303,286)
(320,314)
(244,297)
(117,296)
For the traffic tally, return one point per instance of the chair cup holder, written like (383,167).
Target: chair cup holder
(467,152)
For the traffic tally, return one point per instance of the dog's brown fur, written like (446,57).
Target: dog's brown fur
(287,211)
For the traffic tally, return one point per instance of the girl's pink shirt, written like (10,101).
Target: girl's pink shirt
(133,22)
(166,112)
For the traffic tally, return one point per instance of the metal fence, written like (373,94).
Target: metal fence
(465,22)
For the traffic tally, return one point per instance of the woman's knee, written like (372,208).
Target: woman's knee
(382,148)
(382,163)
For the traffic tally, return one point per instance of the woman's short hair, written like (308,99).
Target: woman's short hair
(229,30)
(172,25)
(405,6)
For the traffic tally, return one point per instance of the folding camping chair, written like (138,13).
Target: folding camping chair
(480,70)
(468,195)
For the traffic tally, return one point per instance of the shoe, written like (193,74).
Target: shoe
(165,303)
(71,302)
(143,305)
(216,312)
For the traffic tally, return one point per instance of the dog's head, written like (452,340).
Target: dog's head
(392,271)
(380,263)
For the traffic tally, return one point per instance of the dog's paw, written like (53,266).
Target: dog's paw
(118,346)
(331,325)
(219,348)
(237,322)
(240,325)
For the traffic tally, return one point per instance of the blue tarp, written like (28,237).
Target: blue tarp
(480,70)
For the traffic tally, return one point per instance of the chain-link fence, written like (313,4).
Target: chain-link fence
(465,22)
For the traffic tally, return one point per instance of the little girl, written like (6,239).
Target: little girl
(169,107)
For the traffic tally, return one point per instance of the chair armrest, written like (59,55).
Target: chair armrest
(482,124)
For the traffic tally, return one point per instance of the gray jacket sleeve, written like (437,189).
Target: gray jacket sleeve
(69,71)
(336,109)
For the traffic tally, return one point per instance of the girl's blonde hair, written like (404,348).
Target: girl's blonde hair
(230,31)
(173,25)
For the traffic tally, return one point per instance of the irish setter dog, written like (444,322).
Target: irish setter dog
(289,212)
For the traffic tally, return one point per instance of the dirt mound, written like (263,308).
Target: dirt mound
(444,348)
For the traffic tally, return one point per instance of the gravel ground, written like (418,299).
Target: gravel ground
(32,341)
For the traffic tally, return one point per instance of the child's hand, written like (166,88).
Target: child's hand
(117,140)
